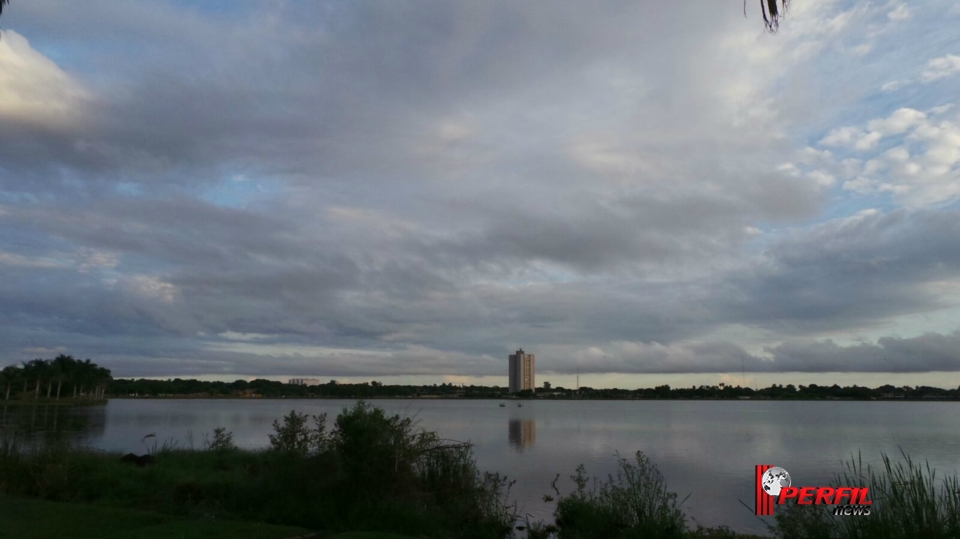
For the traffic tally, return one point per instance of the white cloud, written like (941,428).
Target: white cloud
(851,137)
(898,122)
(895,85)
(941,109)
(810,155)
(789,169)
(861,50)
(900,13)
(860,185)
(923,169)
(940,68)
(842,136)
(822,178)
(150,287)
(34,89)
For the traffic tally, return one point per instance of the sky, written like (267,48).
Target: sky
(638,192)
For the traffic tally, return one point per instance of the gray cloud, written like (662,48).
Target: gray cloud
(423,188)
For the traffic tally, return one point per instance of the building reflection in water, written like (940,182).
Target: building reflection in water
(523,434)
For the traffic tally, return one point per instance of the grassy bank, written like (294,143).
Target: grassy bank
(371,472)
(40,519)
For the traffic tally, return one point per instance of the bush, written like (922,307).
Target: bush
(294,437)
(376,449)
(389,455)
(635,503)
(222,440)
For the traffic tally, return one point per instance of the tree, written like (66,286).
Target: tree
(35,370)
(10,376)
(82,375)
(62,366)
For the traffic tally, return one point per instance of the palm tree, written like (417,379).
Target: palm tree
(10,375)
(103,375)
(36,370)
(62,367)
(772,13)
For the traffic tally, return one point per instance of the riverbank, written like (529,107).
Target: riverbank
(53,402)
(23,518)
(514,399)
(177,388)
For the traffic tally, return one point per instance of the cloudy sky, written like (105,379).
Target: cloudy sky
(645,192)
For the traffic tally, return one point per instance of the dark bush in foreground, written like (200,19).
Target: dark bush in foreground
(634,504)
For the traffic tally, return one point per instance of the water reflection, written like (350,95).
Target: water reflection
(523,434)
(30,424)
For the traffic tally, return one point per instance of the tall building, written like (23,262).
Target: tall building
(304,381)
(521,371)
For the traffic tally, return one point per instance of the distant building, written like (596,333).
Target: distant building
(546,385)
(521,372)
(304,382)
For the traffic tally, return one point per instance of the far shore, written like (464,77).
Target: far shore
(511,398)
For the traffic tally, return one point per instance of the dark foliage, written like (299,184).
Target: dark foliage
(52,378)
(267,388)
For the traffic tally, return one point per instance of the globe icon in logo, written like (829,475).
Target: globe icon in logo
(774,479)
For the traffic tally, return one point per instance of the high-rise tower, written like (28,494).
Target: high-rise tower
(521,371)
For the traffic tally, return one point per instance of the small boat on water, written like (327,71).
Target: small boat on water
(519,405)
(503,405)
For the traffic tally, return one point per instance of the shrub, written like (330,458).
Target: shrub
(375,448)
(635,503)
(389,455)
(222,440)
(294,437)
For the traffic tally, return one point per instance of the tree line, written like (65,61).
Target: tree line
(274,389)
(52,378)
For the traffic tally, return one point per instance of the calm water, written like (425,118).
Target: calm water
(704,448)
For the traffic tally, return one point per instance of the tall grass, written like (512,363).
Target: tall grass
(909,501)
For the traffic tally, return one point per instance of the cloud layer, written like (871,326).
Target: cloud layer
(373,190)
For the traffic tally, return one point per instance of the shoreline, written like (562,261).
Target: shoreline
(63,403)
(520,399)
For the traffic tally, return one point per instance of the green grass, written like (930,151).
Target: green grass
(369,535)
(22,518)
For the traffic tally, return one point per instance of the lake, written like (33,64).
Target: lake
(706,449)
